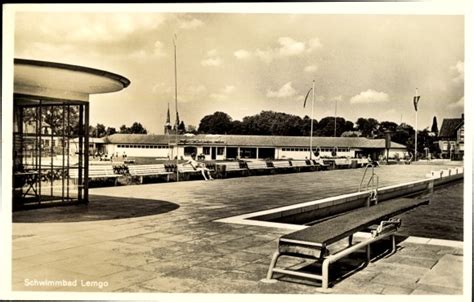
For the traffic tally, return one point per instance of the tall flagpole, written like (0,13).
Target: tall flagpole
(176,104)
(311,134)
(335,118)
(416,124)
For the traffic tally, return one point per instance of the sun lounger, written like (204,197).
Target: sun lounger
(313,241)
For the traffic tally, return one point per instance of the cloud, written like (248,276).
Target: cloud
(288,47)
(70,35)
(311,68)
(314,44)
(229,89)
(242,54)
(285,91)
(159,49)
(87,27)
(224,93)
(161,89)
(212,53)
(458,104)
(458,71)
(197,90)
(212,59)
(265,55)
(369,97)
(190,23)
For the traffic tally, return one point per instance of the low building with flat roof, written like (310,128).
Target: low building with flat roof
(220,147)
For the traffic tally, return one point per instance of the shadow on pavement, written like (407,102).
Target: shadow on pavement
(99,208)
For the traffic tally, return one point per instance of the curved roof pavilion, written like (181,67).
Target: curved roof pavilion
(54,96)
(63,81)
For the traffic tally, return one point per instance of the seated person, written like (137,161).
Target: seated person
(317,158)
(199,166)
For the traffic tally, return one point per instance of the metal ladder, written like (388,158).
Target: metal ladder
(372,185)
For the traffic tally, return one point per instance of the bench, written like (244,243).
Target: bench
(96,172)
(342,163)
(313,242)
(187,171)
(258,166)
(283,165)
(362,162)
(232,167)
(142,171)
(320,165)
(302,165)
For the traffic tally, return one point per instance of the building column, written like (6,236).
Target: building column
(257,154)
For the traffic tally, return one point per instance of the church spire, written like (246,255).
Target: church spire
(168,121)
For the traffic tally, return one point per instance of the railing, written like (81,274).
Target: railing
(372,184)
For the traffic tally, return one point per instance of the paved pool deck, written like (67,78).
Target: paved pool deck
(163,237)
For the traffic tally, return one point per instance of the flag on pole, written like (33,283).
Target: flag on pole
(304,105)
(416,99)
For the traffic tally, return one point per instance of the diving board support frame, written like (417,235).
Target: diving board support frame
(384,230)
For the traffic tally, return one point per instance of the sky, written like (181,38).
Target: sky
(241,64)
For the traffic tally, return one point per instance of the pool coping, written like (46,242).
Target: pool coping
(246,219)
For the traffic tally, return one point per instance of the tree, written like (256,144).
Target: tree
(426,140)
(137,128)
(110,131)
(405,135)
(386,126)
(306,126)
(216,123)
(92,131)
(348,126)
(368,127)
(236,127)
(434,126)
(326,126)
(124,129)
(274,123)
(100,130)
(191,129)
(53,117)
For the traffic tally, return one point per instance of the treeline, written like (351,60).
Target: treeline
(100,130)
(279,123)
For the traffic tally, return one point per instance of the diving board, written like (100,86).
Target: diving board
(313,242)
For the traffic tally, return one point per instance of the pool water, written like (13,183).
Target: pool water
(442,219)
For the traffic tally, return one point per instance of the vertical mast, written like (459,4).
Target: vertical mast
(416,124)
(176,103)
(311,133)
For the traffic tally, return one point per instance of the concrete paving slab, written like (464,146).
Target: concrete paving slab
(424,289)
(186,251)
(447,272)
